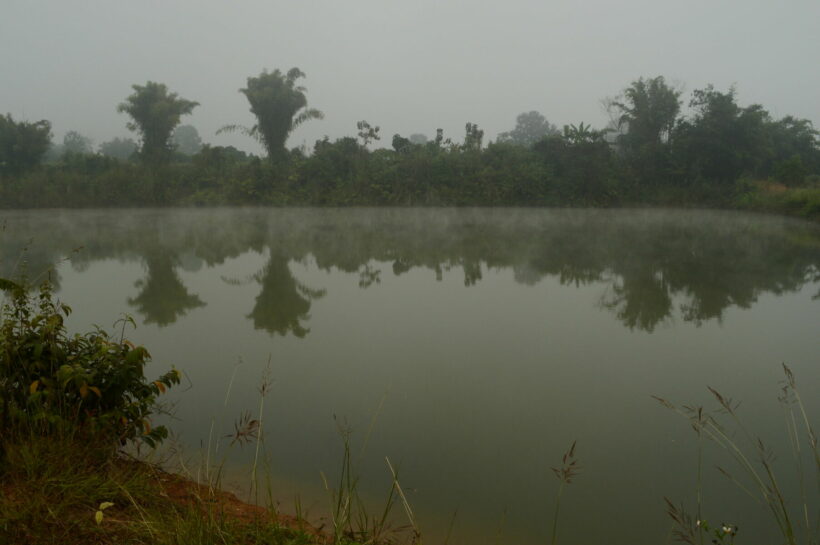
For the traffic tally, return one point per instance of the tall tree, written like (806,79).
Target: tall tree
(22,144)
(794,144)
(367,133)
(648,109)
(530,127)
(74,142)
(473,137)
(155,113)
(722,141)
(186,140)
(279,105)
(418,139)
(646,116)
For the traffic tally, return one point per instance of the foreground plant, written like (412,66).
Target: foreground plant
(756,462)
(694,531)
(569,470)
(92,385)
(352,520)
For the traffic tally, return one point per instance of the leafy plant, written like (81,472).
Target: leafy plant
(89,383)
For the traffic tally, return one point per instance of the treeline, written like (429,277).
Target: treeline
(719,154)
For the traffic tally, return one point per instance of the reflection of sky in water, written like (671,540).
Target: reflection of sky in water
(487,338)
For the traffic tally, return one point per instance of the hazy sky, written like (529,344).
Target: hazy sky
(408,66)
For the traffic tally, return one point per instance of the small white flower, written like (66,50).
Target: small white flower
(697,523)
(727,529)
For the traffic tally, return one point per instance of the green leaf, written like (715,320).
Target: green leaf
(8,285)
(136,355)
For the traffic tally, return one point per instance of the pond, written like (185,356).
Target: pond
(471,347)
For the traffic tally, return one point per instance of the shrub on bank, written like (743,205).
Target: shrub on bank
(769,196)
(53,382)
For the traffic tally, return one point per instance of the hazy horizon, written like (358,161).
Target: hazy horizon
(406,67)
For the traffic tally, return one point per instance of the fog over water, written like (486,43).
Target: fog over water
(409,67)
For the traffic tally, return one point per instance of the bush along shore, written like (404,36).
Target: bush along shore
(720,154)
(74,406)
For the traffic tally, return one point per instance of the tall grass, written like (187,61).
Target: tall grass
(568,470)
(755,462)
(353,519)
(350,515)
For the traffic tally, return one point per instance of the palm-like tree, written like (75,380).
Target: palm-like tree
(155,112)
(279,104)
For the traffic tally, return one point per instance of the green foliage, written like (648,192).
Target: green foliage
(790,137)
(279,105)
(418,139)
(22,144)
(722,141)
(769,197)
(186,140)
(649,155)
(473,137)
(792,171)
(530,127)
(367,133)
(582,162)
(648,111)
(76,143)
(154,114)
(401,144)
(55,382)
(646,117)
(119,148)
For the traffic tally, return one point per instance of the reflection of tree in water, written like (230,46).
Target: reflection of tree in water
(368,275)
(648,265)
(640,300)
(472,272)
(163,298)
(284,302)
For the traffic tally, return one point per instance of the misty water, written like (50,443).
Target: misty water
(471,347)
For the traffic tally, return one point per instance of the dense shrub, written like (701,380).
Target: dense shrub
(52,382)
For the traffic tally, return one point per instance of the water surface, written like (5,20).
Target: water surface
(472,347)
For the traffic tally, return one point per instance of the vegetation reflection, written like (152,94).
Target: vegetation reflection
(649,267)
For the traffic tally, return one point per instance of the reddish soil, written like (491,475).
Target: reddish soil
(185,492)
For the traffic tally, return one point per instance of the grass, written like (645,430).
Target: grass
(754,470)
(766,196)
(569,470)
(53,487)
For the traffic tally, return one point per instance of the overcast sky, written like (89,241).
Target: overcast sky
(409,66)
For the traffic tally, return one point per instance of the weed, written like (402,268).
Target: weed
(569,470)
(755,461)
